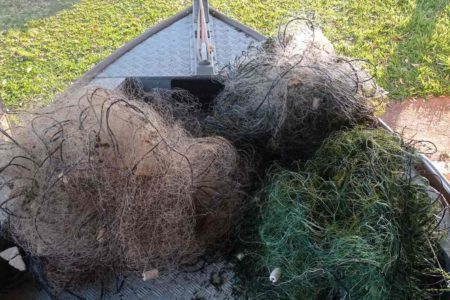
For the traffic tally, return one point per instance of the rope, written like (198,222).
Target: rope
(202,35)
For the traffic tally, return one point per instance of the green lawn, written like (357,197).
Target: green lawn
(408,41)
(15,13)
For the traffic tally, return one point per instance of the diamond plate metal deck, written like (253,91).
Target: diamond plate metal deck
(170,52)
(213,281)
(167,53)
(230,42)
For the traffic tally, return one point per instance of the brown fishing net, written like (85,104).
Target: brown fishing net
(108,184)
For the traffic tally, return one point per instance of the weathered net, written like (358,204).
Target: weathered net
(108,185)
(356,223)
(288,94)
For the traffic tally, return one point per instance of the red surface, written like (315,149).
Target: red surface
(428,120)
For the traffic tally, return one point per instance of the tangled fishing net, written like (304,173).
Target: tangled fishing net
(110,185)
(357,223)
(176,103)
(288,94)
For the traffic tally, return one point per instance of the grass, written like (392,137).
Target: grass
(15,13)
(408,41)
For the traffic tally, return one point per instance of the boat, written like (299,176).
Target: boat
(185,51)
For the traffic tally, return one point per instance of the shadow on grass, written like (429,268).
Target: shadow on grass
(410,59)
(16,13)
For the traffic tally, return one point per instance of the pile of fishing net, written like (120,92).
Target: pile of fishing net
(288,94)
(110,185)
(356,223)
(133,182)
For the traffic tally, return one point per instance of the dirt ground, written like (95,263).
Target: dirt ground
(427,120)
